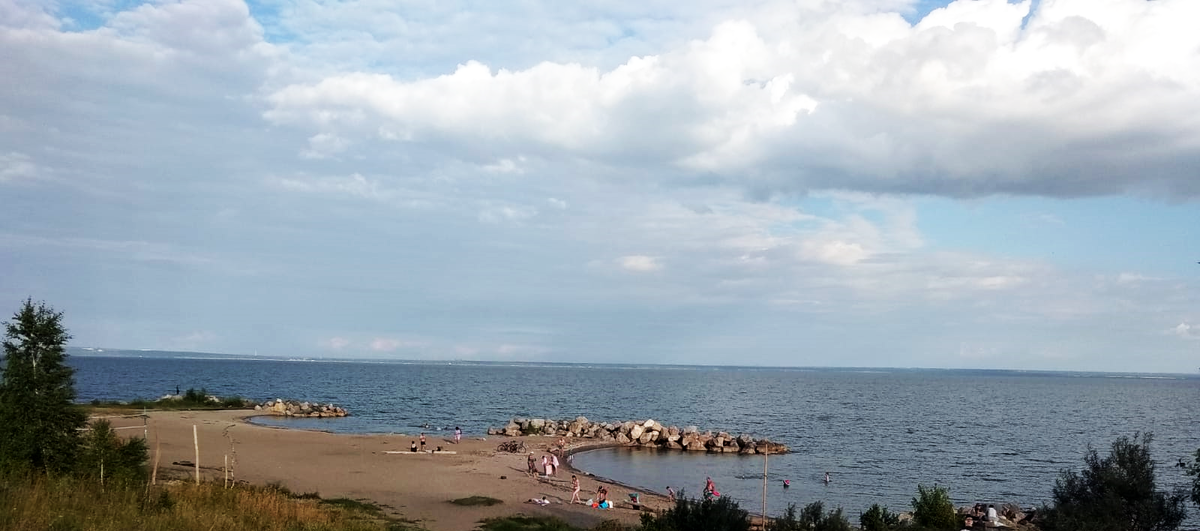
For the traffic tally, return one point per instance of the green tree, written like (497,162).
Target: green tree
(1193,469)
(1115,493)
(121,461)
(878,518)
(933,510)
(721,514)
(39,423)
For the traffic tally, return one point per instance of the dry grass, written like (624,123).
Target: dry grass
(67,504)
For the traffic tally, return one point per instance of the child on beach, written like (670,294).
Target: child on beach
(422,440)
(457,435)
(413,446)
(575,485)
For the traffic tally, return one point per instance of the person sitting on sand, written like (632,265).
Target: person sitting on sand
(575,485)
(413,446)
(991,514)
(601,495)
(543,501)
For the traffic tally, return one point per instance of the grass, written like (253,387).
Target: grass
(476,500)
(64,504)
(526,523)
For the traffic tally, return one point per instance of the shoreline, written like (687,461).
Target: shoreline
(356,466)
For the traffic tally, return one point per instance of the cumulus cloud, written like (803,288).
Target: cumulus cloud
(639,263)
(980,97)
(1186,331)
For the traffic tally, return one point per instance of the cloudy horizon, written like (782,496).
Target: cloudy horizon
(865,183)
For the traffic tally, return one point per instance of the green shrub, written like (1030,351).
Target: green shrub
(193,396)
(722,514)
(933,510)
(1116,493)
(121,461)
(812,518)
(878,519)
(476,500)
(525,523)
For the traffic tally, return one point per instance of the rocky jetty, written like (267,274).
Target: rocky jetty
(293,408)
(648,433)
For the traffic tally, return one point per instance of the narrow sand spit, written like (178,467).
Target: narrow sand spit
(417,487)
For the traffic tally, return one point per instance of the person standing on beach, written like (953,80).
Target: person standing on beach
(554,465)
(545,466)
(422,441)
(532,466)
(575,485)
(457,435)
(671,493)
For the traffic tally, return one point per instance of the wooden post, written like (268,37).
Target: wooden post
(102,474)
(157,457)
(226,470)
(196,442)
(764,511)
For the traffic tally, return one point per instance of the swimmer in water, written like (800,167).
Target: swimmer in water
(787,483)
(827,478)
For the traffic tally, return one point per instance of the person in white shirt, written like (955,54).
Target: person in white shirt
(991,514)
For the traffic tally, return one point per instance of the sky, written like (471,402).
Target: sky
(853,183)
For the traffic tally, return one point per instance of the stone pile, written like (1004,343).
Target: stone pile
(648,433)
(293,408)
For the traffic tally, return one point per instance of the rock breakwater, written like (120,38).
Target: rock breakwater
(648,433)
(294,408)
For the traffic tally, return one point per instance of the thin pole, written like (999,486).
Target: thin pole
(196,441)
(764,513)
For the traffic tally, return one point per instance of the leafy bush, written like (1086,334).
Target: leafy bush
(933,510)
(1116,493)
(878,519)
(525,523)
(812,518)
(193,396)
(121,461)
(1193,469)
(721,514)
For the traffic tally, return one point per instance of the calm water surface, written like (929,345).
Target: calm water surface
(989,436)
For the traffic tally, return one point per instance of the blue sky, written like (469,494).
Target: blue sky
(980,183)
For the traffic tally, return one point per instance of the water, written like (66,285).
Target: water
(991,436)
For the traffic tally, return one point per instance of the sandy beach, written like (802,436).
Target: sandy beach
(413,486)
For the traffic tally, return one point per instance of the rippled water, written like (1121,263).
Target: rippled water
(988,435)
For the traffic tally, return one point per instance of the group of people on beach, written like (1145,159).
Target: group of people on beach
(549,465)
(413,444)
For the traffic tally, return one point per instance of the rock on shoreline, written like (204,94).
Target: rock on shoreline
(648,433)
(294,408)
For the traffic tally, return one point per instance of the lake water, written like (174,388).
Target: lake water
(991,436)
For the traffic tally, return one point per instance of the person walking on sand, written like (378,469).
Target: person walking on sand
(422,441)
(575,486)
(457,435)
(554,464)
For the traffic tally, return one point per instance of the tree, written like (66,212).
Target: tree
(39,422)
(110,459)
(721,514)
(878,518)
(1193,469)
(932,508)
(1116,493)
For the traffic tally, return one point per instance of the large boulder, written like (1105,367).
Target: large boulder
(636,432)
(696,446)
(648,424)
(622,438)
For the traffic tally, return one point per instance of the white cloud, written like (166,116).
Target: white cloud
(966,102)
(16,167)
(336,343)
(639,263)
(324,145)
(1186,331)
